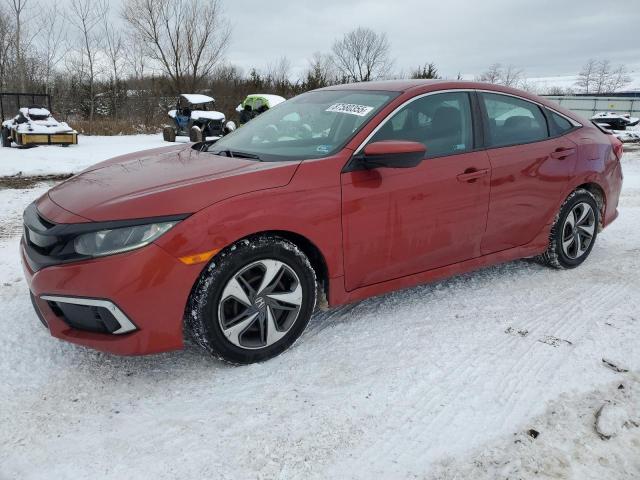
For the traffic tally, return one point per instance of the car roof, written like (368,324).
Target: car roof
(424,86)
(386,85)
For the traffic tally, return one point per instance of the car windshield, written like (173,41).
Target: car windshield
(311,125)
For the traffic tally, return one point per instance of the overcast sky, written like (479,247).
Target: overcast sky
(543,37)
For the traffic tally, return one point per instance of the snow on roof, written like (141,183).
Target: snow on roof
(200,114)
(43,112)
(272,99)
(196,98)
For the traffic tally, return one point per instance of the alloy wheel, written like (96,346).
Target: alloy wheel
(578,230)
(260,304)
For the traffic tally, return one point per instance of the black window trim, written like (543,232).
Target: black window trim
(546,110)
(480,126)
(543,108)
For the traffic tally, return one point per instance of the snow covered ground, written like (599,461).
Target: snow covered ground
(54,159)
(451,380)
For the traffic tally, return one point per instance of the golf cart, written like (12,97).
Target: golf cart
(194,117)
(33,126)
(256,103)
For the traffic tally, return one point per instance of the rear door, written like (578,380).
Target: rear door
(531,163)
(400,221)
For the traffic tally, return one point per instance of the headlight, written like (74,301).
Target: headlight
(118,240)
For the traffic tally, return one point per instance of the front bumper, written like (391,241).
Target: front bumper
(149,288)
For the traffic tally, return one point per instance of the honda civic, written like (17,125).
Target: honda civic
(331,197)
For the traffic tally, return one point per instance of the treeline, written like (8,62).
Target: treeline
(120,70)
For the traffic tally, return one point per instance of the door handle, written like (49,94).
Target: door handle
(470,175)
(562,153)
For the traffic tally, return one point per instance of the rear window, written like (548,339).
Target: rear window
(513,121)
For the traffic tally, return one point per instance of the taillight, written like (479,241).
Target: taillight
(617,147)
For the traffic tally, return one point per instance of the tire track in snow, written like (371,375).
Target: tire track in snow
(469,374)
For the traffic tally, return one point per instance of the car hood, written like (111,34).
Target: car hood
(163,182)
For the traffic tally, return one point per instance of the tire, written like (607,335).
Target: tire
(242,331)
(6,138)
(169,134)
(574,231)
(195,134)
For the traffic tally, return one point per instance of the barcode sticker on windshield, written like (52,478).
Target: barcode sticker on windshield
(350,108)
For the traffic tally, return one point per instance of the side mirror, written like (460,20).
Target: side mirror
(393,154)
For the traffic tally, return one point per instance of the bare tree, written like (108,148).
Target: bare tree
(362,55)
(136,57)
(7,37)
(512,77)
(598,77)
(602,75)
(114,50)
(492,75)
(85,17)
(185,38)
(278,72)
(18,10)
(618,79)
(320,72)
(586,77)
(51,41)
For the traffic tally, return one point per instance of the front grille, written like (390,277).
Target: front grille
(47,243)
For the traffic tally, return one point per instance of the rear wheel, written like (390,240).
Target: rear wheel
(574,231)
(253,301)
(169,134)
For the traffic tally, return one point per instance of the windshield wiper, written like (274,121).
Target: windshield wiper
(237,154)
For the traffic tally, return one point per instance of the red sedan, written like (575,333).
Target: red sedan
(331,197)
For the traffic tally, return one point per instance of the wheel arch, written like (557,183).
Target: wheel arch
(601,199)
(309,248)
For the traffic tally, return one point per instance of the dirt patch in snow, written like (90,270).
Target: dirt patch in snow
(19,182)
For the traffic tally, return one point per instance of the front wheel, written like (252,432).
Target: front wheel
(574,231)
(253,301)
(169,134)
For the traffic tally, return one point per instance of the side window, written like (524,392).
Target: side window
(441,121)
(558,124)
(512,120)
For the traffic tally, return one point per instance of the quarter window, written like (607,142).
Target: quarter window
(558,124)
(442,122)
(512,121)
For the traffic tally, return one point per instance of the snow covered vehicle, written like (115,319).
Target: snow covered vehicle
(34,125)
(255,103)
(616,121)
(627,136)
(194,117)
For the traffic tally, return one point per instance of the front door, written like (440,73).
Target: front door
(398,222)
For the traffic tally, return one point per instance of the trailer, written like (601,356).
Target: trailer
(32,125)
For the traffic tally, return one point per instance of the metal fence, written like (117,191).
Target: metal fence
(10,102)
(588,106)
